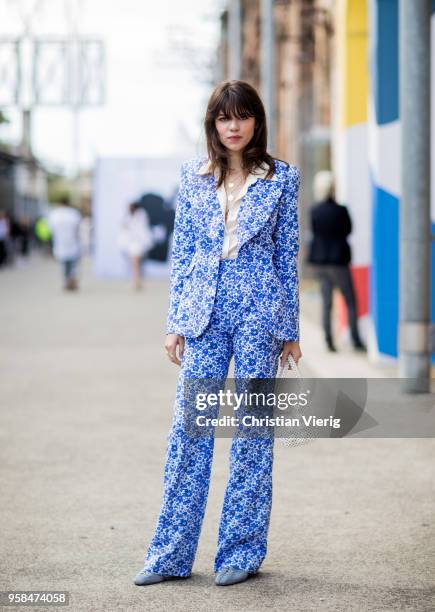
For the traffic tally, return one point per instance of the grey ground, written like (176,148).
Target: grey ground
(87,396)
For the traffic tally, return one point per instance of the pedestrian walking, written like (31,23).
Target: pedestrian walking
(64,222)
(234,294)
(330,253)
(135,240)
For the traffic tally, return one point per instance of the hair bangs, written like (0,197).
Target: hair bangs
(232,104)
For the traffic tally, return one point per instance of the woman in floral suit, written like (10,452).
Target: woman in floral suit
(234,293)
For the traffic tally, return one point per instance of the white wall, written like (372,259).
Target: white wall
(117,182)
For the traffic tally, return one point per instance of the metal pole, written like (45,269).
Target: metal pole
(268,68)
(415,224)
(74,7)
(235,39)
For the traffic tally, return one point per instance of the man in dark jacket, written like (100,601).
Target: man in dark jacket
(331,255)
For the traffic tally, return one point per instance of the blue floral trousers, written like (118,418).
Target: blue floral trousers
(235,330)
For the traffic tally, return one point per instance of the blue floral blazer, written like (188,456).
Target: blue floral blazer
(268,244)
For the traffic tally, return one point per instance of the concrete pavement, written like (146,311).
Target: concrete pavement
(86,404)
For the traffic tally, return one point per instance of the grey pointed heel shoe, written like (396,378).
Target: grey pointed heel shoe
(145,577)
(230,575)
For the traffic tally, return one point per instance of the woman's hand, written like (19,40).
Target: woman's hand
(290,347)
(172,342)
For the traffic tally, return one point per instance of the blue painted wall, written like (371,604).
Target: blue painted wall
(384,276)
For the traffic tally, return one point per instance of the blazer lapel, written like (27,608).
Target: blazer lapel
(216,227)
(256,207)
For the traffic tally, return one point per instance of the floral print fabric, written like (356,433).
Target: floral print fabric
(242,308)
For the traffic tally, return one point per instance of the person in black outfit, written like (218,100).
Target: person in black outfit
(330,253)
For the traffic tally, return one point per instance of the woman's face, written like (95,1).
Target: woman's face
(234,133)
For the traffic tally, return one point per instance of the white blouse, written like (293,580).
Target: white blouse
(230,247)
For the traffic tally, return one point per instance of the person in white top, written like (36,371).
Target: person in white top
(135,240)
(64,222)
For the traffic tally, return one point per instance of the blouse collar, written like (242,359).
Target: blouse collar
(253,176)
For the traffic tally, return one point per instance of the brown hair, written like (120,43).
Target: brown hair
(240,99)
(133,207)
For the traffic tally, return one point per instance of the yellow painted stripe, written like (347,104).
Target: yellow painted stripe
(352,61)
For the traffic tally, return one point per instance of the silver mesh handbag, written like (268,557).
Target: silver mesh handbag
(290,370)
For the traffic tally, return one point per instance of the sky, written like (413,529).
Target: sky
(155,93)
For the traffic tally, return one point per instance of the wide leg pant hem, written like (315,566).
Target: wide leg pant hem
(156,570)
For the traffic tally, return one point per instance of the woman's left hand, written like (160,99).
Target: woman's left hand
(292,347)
